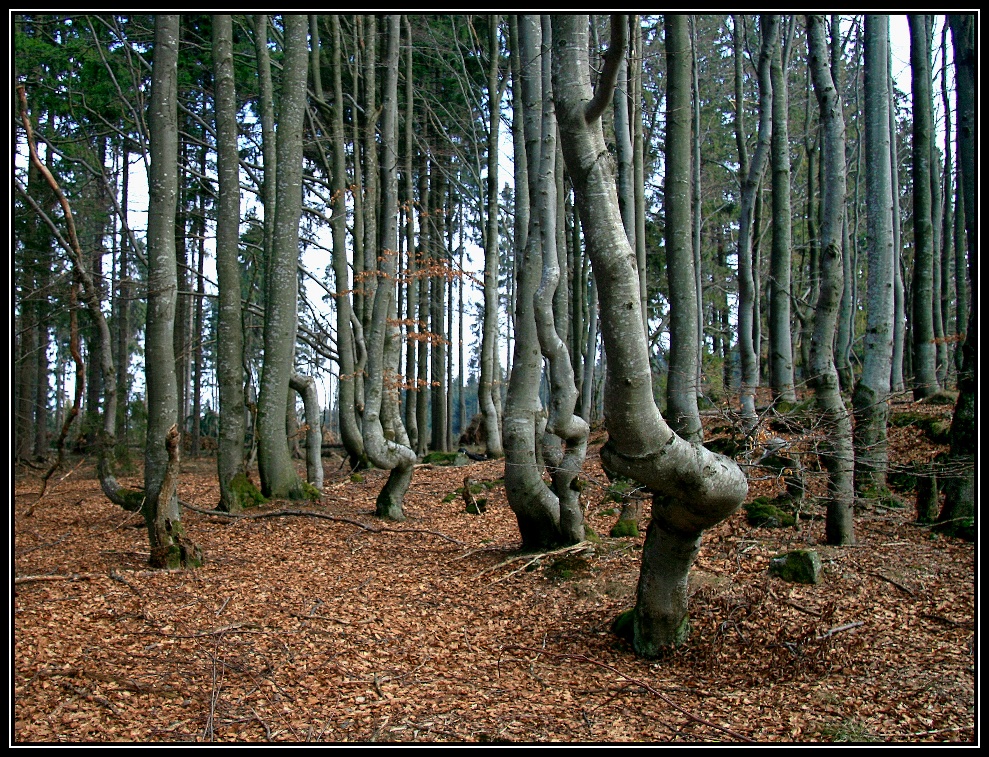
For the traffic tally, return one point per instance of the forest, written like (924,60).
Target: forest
(494,378)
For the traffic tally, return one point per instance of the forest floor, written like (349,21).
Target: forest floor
(307,628)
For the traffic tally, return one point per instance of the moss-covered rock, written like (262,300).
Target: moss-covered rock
(624,625)
(625,528)
(801,566)
(763,513)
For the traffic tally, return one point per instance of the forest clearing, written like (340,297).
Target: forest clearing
(342,627)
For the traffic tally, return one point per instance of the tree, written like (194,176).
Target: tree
(925,381)
(546,515)
(780,337)
(751,176)
(681,388)
(230,335)
(836,448)
(489,339)
(959,511)
(390,454)
(871,394)
(170,547)
(693,488)
(278,476)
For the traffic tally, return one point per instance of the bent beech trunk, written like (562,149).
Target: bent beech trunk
(693,488)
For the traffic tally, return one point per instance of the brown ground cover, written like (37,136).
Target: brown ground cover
(306,628)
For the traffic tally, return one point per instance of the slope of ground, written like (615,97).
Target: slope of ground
(307,628)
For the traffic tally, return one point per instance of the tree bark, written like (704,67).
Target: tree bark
(385,453)
(780,337)
(230,467)
(170,548)
(871,398)
(693,488)
(836,448)
(279,478)
(681,387)
(922,322)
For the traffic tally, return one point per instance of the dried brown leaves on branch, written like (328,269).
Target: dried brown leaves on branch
(321,625)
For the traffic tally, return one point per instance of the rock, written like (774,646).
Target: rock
(802,566)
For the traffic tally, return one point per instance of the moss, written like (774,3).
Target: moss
(311,492)
(760,512)
(625,528)
(880,495)
(133,499)
(356,478)
(453,495)
(624,625)
(246,493)
(936,428)
(440,458)
(963,528)
(608,512)
(590,535)
(477,507)
(801,566)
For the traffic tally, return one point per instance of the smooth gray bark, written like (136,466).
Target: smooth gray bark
(693,488)
(170,548)
(392,455)
(871,398)
(279,478)
(350,428)
(836,450)
(230,332)
(922,291)
(681,387)
(489,336)
(546,515)
(780,337)
(747,309)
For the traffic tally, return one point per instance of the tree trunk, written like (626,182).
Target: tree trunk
(279,478)
(693,488)
(385,453)
(170,548)
(958,514)
(922,322)
(230,468)
(780,338)
(489,334)
(747,310)
(871,398)
(681,388)
(546,516)
(350,430)
(836,449)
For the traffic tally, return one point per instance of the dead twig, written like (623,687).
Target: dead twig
(899,586)
(839,629)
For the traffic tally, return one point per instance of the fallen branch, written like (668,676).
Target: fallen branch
(646,686)
(899,586)
(839,629)
(531,558)
(324,516)
(69,577)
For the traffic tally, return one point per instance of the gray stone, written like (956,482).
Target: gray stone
(802,566)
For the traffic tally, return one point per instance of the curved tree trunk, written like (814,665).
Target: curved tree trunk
(546,516)
(383,452)
(693,488)
(350,430)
